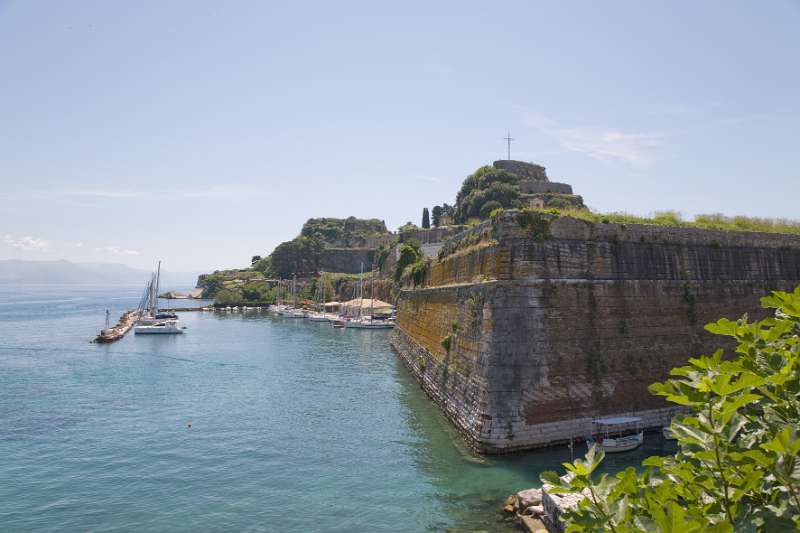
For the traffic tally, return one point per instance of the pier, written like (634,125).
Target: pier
(115,333)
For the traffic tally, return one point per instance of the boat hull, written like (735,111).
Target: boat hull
(624,444)
(354,325)
(157,330)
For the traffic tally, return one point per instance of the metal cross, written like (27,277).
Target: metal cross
(509,139)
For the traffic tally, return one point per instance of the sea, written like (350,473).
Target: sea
(246,422)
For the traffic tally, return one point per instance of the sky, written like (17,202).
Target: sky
(204,132)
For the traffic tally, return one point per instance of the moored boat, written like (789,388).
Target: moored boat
(369,323)
(151,320)
(167,327)
(617,434)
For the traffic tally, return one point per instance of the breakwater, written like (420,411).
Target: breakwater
(530,325)
(116,332)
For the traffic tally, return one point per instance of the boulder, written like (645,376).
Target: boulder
(532,525)
(534,510)
(526,498)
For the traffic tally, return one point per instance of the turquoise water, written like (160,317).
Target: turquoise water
(295,426)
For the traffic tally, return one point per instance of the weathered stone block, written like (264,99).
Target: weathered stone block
(559,322)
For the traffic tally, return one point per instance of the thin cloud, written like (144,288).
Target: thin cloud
(742,119)
(26,243)
(429,179)
(117,250)
(603,144)
(202,192)
(676,110)
(105,193)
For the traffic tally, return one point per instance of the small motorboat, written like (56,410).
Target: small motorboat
(370,323)
(338,323)
(617,434)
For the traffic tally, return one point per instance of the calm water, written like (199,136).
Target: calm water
(295,426)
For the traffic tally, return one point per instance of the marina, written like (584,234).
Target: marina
(268,419)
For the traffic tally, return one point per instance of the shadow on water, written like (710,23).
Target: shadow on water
(472,487)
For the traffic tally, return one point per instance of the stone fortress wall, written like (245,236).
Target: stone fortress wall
(346,260)
(531,325)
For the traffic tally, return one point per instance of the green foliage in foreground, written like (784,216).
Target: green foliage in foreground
(737,467)
(673,218)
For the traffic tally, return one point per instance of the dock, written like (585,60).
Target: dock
(115,333)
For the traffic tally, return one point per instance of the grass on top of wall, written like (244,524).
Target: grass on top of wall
(673,218)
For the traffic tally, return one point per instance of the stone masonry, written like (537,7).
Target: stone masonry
(530,325)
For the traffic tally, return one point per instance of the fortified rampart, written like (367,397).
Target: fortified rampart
(531,325)
(346,260)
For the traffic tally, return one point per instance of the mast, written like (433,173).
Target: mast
(361,290)
(322,296)
(158,287)
(371,293)
(150,295)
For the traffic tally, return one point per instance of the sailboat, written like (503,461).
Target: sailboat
(369,321)
(319,315)
(152,321)
(294,312)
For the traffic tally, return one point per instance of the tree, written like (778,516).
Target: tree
(426,221)
(410,253)
(738,462)
(408,226)
(228,296)
(300,255)
(255,259)
(436,215)
(485,185)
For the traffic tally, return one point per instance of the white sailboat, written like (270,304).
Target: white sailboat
(151,321)
(294,311)
(319,314)
(369,321)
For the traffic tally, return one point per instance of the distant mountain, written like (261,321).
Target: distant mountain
(66,272)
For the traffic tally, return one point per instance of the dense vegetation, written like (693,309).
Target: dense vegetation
(298,256)
(738,462)
(439,212)
(672,218)
(342,232)
(487,184)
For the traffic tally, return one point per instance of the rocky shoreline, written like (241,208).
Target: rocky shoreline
(539,510)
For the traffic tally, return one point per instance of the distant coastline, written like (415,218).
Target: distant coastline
(62,272)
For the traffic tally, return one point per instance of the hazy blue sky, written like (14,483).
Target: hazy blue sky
(202,133)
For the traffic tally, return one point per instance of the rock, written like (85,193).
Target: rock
(511,500)
(531,524)
(534,510)
(509,509)
(526,498)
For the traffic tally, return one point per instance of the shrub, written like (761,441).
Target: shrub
(418,271)
(738,462)
(488,207)
(409,254)
(447,342)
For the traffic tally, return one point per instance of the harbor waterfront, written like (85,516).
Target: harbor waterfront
(247,422)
